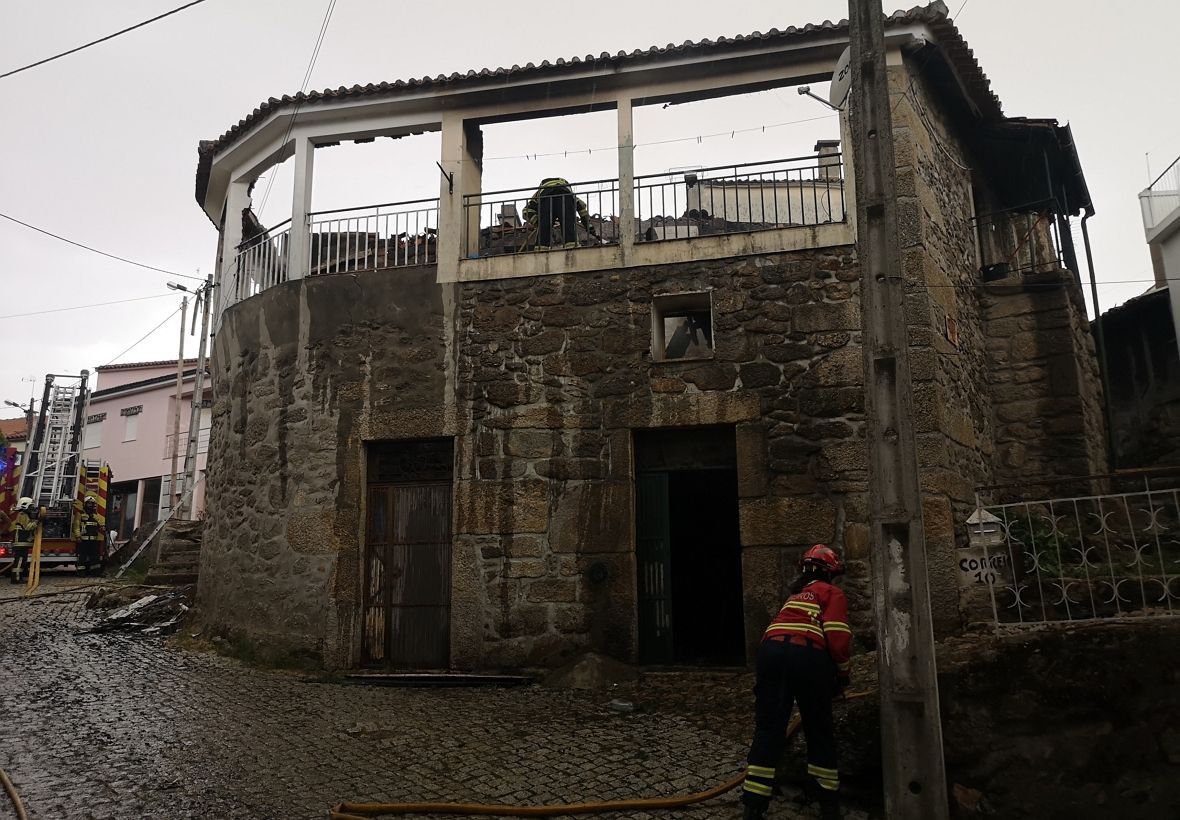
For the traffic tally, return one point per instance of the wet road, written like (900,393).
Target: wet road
(123,726)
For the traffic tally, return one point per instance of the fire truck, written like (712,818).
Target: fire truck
(54,474)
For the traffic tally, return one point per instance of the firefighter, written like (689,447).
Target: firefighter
(803,658)
(24,528)
(88,535)
(555,200)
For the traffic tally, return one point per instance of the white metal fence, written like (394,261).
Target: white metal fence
(1162,197)
(1079,558)
(391,235)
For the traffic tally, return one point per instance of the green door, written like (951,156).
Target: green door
(654,563)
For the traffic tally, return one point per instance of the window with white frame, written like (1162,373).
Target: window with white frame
(130,427)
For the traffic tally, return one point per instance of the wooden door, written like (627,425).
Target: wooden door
(408,576)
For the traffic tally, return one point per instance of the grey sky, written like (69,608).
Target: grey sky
(101,146)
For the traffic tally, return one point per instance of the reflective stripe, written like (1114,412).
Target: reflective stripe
(795,627)
(757,788)
(806,607)
(836,626)
(820,771)
(829,785)
(759,771)
(844,667)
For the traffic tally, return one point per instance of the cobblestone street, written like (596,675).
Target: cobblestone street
(124,726)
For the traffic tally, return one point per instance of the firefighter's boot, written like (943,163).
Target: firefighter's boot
(753,812)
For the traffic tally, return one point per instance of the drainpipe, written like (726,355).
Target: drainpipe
(1103,370)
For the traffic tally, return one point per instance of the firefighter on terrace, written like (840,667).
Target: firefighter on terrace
(556,201)
(89,536)
(803,658)
(24,528)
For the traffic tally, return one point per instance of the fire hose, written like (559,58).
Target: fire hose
(360,811)
(13,795)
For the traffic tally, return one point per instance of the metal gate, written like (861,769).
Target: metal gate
(407,601)
(654,559)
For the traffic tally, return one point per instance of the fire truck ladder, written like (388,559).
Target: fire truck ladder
(52,475)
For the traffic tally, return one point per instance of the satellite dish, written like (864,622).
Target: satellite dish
(841,80)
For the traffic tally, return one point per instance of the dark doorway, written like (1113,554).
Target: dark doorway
(688,547)
(407,583)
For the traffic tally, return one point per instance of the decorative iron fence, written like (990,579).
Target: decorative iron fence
(1162,197)
(1079,558)
(798,191)
(514,220)
(372,237)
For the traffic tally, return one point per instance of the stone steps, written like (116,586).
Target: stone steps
(180,554)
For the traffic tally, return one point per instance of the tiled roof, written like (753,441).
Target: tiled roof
(935,15)
(134,365)
(13,429)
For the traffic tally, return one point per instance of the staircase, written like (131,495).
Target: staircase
(178,554)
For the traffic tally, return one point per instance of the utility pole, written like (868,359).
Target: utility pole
(204,296)
(911,728)
(173,490)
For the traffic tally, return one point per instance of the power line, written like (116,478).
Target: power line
(100,40)
(83,307)
(315,53)
(730,133)
(955,18)
(96,250)
(143,337)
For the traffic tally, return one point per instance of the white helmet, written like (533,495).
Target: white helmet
(24,503)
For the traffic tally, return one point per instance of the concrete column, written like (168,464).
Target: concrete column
(462,162)
(298,255)
(226,292)
(626,179)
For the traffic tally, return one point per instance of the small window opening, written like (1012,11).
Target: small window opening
(682,327)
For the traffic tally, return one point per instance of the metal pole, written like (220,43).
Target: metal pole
(173,490)
(194,424)
(911,729)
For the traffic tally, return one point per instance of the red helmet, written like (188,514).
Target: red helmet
(824,558)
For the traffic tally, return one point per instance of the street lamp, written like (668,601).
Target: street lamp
(174,286)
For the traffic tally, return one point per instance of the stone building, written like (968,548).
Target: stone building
(477,457)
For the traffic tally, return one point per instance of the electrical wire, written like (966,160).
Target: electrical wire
(100,253)
(143,338)
(315,53)
(83,307)
(100,40)
(955,17)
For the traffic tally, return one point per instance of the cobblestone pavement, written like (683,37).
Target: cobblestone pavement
(124,726)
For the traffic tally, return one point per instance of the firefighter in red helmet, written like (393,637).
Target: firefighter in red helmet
(803,658)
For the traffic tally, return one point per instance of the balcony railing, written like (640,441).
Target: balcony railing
(798,191)
(373,237)
(1162,197)
(505,224)
(261,263)
(1022,241)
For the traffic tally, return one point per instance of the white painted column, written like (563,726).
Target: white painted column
(237,199)
(626,179)
(298,257)
(458,235)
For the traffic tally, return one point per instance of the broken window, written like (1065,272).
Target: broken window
(682,327)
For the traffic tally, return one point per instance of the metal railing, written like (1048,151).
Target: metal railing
(261,263)
(500,219)
(1023,240)
(373,237)
(1162,197)
(1080,558)
(793,192)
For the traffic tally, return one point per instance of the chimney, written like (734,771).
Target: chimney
(829,159)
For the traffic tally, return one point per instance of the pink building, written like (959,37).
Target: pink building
(129,426)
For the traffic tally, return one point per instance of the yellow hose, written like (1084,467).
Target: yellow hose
(360,811)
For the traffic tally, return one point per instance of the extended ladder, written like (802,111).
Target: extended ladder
(51,476)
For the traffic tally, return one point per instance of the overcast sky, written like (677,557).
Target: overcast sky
(100,146)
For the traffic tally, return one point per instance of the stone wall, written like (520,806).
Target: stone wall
(303,374)
(554,375)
